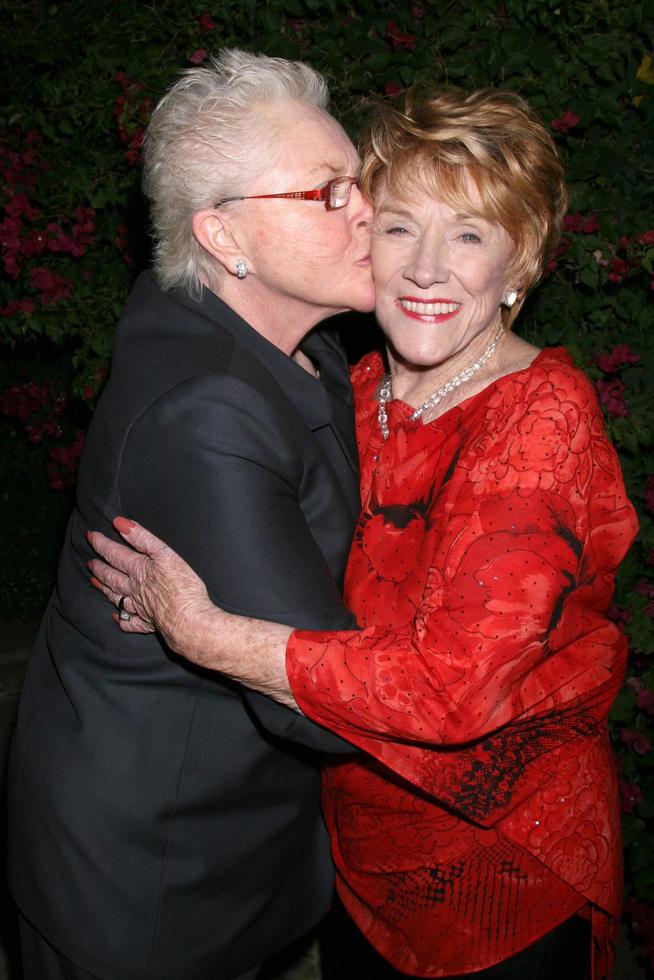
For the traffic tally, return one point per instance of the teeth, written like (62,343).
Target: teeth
(429,309)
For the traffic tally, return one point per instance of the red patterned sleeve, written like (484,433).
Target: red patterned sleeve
(511,626)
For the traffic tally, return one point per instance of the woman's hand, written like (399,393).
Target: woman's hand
(160,590)
(156,590)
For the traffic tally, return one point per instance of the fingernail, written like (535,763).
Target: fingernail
(123,524)
(96,582)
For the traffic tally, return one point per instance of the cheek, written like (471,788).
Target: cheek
(485,281)
(384,264)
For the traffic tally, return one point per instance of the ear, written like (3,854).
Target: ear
(215,234)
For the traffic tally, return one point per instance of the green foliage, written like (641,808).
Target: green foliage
(74,233)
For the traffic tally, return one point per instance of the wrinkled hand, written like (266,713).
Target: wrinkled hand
(163,592)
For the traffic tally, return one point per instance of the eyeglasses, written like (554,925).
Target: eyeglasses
(335,194)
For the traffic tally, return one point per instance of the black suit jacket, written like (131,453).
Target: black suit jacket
(159,825)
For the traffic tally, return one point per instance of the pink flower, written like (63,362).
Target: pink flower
(637,741)
(645,700)
(393,89)
(577,223)
(206,23)
(618,270)
(566,122)
(18,306)
(616,358)
(400,41)
(18,204)
(620,617)
(198,56)
(611,396)
(648,495)
(53,286)
(572,222)
(630,793)
(63,463)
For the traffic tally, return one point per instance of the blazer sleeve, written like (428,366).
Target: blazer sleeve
(214,470)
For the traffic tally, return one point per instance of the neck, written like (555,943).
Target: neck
(412,383)
(283,321)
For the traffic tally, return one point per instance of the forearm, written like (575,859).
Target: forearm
(250,651)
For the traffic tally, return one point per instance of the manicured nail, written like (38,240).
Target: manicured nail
(123,525)
(96,582)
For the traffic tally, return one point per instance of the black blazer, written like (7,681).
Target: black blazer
(159,827)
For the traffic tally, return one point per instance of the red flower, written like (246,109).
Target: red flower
(206,23)
(618,357)
(590,225)
(646,238)
(611,396)
(566,122)
(393,89)
(400,42)
(199,56)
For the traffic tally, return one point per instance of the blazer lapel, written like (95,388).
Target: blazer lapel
(326,405)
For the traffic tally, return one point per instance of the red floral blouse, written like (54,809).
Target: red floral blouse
(485,811)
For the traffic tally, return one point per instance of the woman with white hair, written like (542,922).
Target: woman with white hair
(161,825)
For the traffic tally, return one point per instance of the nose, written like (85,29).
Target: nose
(361,207)
(428,264)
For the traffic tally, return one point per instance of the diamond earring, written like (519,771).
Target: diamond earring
(510,297)
(241,268)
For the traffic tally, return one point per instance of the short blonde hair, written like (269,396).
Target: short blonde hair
(491,136)
(211,133)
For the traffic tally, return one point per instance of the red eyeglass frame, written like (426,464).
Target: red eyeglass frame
(319,194)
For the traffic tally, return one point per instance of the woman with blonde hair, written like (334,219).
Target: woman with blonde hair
(479,831)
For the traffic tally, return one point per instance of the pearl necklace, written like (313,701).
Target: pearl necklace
(386,390)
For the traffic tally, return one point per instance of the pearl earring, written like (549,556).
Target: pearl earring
(241,268)
(510,297)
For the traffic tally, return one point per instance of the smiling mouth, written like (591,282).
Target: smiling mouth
(428,308)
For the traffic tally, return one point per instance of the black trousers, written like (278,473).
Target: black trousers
(562,954)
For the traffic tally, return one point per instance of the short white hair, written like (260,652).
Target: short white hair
(204,141)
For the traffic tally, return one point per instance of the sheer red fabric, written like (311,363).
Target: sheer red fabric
(485,811)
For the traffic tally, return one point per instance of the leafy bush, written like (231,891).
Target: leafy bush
(73,236)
